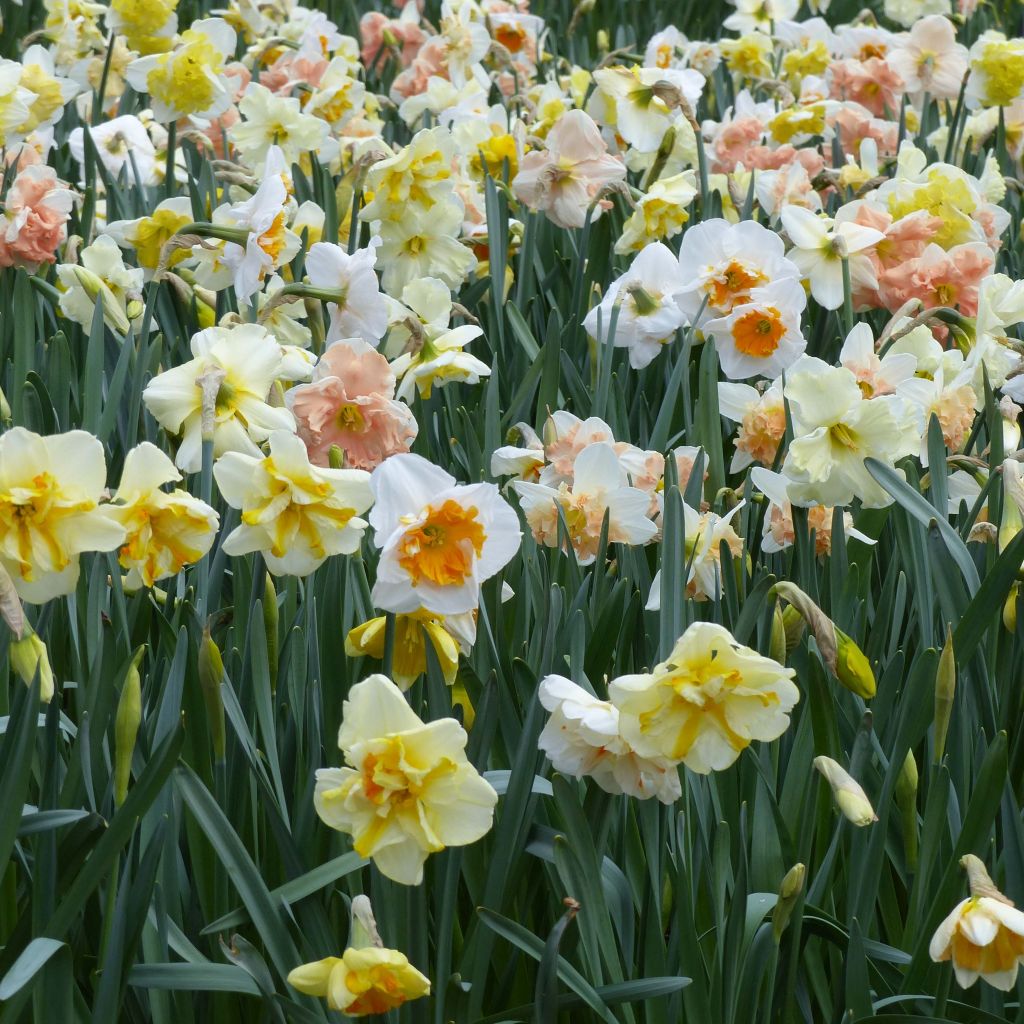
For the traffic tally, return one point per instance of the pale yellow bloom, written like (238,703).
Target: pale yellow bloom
(408,789)
(295,513)
(706,702)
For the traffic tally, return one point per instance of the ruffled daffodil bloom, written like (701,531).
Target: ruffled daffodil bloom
(707,702)
(102,277)
(408,789)
(189,81)
(983,935)
(49,493)
(439,539)
(166,530)
(295,513)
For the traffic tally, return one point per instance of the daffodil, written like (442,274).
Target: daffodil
(419,175)
(122,143)
(271,120)
(164,530)
(296,514)
(983,934)
(706,702)
(439,540)
(835,430)
(49,513)
(358,310)
(660,214)
(247,361)
(51,92)
(408,789)
(103,278)
(582,738)
(148,235)
(448,635)
(190,80)
(997,71)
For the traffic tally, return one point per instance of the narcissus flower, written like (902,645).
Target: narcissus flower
(638,311)
(439,539)
(448,635)
(248,361)
(165,530)
(707,702)
(361,982)
(296,514)
(359,310)
(148,235)
(34,221)
(190,81)
(983,935)
(408,789)
(997,71)
(102,277)
(761,336)
(582,737)
(49,493)
(836,429)
(660,214)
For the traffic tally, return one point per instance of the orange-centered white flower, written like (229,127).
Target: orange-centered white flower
(408,790)
(440,540)
(706,702)
(49,489)
(295,513)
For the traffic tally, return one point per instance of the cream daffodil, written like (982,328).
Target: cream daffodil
(164,530)
(582,738)
(49,513)
(103,278)
(148,235)
(271,120)
(247,360)
(706,702)
(296,514)
(836,429)
(408,789)
(359,310)
(660,214)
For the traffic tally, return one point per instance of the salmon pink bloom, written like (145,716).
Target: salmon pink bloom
(34,223)
(350,403)
(939,278)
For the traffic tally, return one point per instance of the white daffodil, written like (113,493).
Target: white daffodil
(639,311)
(122,142)
(102,277)
(296,514)
(439,539)
(876,376)
(836,428)
(819,246)
(361,311)
(761,337)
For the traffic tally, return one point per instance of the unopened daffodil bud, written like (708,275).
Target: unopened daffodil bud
(211,677)
(126,728)
(906,801)
(851,800)
(794,625)
(853,669)
(1010,522)
(28,656)
(945,691)
(777,647)
(1010,608)
(270,626)
(789,892)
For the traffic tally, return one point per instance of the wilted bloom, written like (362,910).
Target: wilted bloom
(638,311)
(296,514)
(707,702)
(983,935)
(49,493)
(248,361)
(102,277)
(408,789)
(350,403)
(165,530)
(566,179)
(448,635)
(190,80)
(850,798)
(582,737)
(439,540)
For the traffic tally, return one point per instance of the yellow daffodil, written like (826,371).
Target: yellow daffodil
(407,789)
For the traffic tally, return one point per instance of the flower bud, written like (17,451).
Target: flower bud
(1010,609)
(1010,522)
(793,623)
(945,691)
(270,621)
(211,677)
(28,655)
(126,728)
(5,409)
(853,669)
(906,801)
(851,800)
(777,646)
(98,291)
(789,892)
(364,926)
